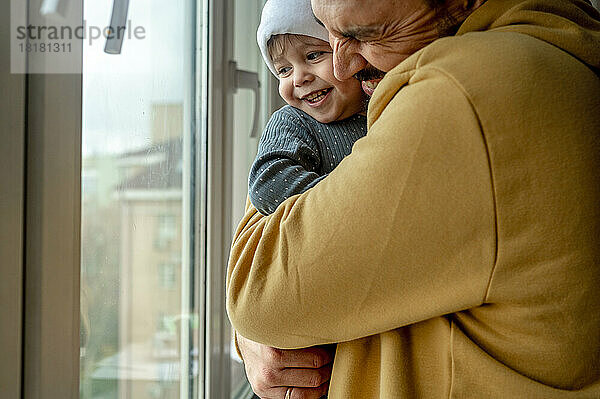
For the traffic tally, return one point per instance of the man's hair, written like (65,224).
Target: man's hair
(447,25)
(435,3)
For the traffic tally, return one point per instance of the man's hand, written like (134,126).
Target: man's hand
(272,372)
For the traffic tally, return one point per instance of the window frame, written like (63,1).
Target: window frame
(218,174)
(53,214)
(12,181)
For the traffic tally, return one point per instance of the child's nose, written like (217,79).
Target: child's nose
(302,76)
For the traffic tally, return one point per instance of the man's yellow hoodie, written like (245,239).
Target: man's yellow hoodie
(456,252)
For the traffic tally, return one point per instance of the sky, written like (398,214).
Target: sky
(118,90)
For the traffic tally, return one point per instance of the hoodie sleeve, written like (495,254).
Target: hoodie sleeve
(286,163)
(401,231)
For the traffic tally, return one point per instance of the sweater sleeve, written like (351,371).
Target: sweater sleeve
(285,164)
(403,230)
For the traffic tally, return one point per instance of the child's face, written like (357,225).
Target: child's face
(306,81)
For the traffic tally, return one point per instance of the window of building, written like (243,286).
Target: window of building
(166,231)
(167,275)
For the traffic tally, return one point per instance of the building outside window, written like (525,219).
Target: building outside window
(167,275)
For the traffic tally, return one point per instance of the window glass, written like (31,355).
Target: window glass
(139,318)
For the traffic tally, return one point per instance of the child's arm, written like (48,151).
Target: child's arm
(286,162)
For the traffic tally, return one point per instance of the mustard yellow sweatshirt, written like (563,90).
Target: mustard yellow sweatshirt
(456,252)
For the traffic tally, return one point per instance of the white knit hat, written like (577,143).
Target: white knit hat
(287,16)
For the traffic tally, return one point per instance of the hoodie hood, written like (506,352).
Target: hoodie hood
(571,25)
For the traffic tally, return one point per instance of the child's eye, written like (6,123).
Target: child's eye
(314,55)
(284,70)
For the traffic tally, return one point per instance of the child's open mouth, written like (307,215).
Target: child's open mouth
(315,98)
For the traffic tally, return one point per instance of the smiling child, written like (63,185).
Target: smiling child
(306,139)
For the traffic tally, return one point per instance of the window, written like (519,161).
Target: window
(166,231)
(138,266)
(134,180)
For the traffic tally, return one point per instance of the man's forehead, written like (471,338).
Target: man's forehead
(335,13)
(326,6)
(333,7)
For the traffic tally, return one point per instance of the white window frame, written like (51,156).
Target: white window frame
(217,233)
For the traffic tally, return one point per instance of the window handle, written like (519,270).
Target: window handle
(118,22)
(247,80)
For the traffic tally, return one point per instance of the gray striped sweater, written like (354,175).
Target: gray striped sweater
(296,152)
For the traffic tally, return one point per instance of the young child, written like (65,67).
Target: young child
(307,139)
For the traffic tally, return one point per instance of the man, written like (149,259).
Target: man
(455,252)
